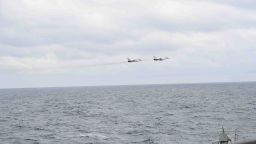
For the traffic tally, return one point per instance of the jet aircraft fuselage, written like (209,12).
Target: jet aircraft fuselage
(133,60)
(159,59)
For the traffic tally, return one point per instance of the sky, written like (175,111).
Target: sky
(52,43)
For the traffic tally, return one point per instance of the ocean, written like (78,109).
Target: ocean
(143,114)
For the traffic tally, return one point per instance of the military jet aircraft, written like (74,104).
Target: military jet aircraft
(134,60)
(159,59)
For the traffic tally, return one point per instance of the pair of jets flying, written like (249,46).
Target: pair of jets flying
(155,59)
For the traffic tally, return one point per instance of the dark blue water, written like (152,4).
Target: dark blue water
(153,114)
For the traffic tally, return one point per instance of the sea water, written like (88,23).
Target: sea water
(145,114)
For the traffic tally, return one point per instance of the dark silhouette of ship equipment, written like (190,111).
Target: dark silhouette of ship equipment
(223,138)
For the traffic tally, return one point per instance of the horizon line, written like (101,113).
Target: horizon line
(116,85)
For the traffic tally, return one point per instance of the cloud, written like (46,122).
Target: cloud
(63,35)
(245,4)
(29,22)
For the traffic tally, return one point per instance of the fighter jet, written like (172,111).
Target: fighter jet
(134,60)
(159,59)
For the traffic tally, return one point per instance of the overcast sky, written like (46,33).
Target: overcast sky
(86,42)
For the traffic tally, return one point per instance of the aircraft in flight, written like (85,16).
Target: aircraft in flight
(159,59)
(134,60)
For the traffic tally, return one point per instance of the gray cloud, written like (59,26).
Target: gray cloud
(245,4)
(60,36)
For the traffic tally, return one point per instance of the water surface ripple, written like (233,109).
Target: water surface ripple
(152,114)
